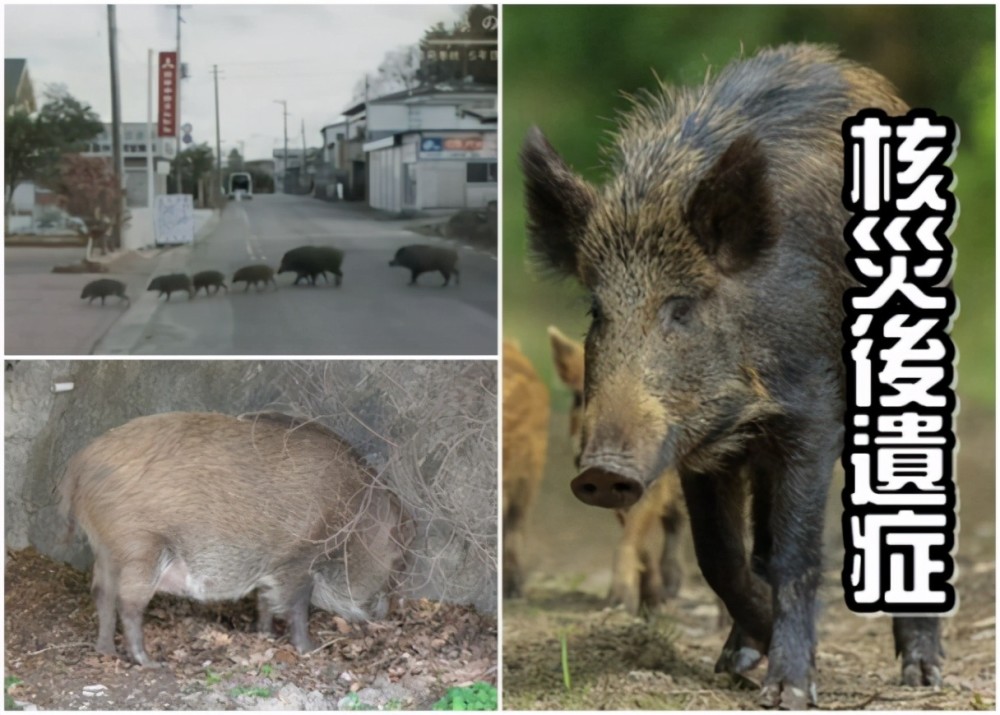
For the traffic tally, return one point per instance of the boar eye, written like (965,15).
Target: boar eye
(676,311)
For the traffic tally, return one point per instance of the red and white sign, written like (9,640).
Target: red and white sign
(167,122)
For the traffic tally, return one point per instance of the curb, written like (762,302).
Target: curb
(126,332)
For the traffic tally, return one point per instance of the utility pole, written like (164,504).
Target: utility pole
(302,171)
(284,173)
(218,142)
(116,130)
(177,107)
(150,173)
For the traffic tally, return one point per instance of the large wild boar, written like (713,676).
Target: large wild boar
(715,260)
(212,507)
(647,567)
(525,442)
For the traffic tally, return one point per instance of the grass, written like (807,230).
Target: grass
(11,681)
(564,657)
(255,692)
(478,696)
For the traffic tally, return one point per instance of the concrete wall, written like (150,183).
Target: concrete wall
(428,428)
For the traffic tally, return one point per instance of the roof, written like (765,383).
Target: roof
(427,90)
(14,70)
(484,115)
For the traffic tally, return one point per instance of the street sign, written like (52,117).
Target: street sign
(187,128)
(167,124)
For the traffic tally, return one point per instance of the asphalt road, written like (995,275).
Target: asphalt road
(374,311)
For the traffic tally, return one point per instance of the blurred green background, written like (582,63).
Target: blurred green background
(564,66)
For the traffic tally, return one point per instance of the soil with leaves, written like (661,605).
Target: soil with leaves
(215,661)
(665,661)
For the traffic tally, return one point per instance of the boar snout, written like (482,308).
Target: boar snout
(607,484)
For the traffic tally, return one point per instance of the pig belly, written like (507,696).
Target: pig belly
(177,577)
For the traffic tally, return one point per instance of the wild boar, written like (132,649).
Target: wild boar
(255,274)
(424,259)
(209,279)
(525,441)
(102,288)
(311,261)
(171,283)
(715,261)
(212,507)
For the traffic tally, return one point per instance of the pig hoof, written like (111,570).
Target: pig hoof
(785,696)
(923,673)
(738,661)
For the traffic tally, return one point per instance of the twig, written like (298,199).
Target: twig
(57,647)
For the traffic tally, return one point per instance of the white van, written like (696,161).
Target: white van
(240,185)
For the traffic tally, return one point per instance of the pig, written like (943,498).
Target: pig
(102,288)
(209,279)
(525,442)
(424,259)
(715,262)
(211,507)
(171,283)
(255,274)
(310,261)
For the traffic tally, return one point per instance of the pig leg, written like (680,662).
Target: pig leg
(798,504)
(455,271)
(105,597)
(413,277)
(298,618)
(340,277)
(670,562)
(715,509)
(918,641)
(513,581)
(265,617)
(135,592)
(447,277)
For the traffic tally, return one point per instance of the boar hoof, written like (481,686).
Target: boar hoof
(922,673)
(785,696)
(738,661)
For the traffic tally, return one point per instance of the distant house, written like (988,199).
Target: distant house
(290,176)
(134,141)
(343,172)
(431,147)
(18,92)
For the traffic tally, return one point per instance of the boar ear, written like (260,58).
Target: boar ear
(568,357)
(558,203)
(731,212)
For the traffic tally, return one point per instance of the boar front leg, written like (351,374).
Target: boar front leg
(715,508)
(798,504)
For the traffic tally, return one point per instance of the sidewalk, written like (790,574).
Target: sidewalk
(43,312)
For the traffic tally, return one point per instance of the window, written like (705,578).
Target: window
(128,136)
(481,172)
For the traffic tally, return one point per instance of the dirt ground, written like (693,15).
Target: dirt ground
(617,662)
(214,660)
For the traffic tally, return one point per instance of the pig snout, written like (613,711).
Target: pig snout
(608,484)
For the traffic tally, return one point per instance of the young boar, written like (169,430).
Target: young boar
(211,507)
(424,259)
(311,261)
(525,441)
(171,283)
(715,261)
(209,279)
(102,288)
(255,274)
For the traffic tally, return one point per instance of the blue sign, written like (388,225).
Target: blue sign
(432,144)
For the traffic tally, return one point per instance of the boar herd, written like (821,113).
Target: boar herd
(711,386)
(306,262)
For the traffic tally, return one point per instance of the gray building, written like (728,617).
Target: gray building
(134,140)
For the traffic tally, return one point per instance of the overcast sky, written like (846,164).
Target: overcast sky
(309,55)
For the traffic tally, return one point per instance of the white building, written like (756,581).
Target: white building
(134,154)
(431,148)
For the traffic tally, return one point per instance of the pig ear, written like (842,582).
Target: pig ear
(558,203)
(731,212)
(568,357)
